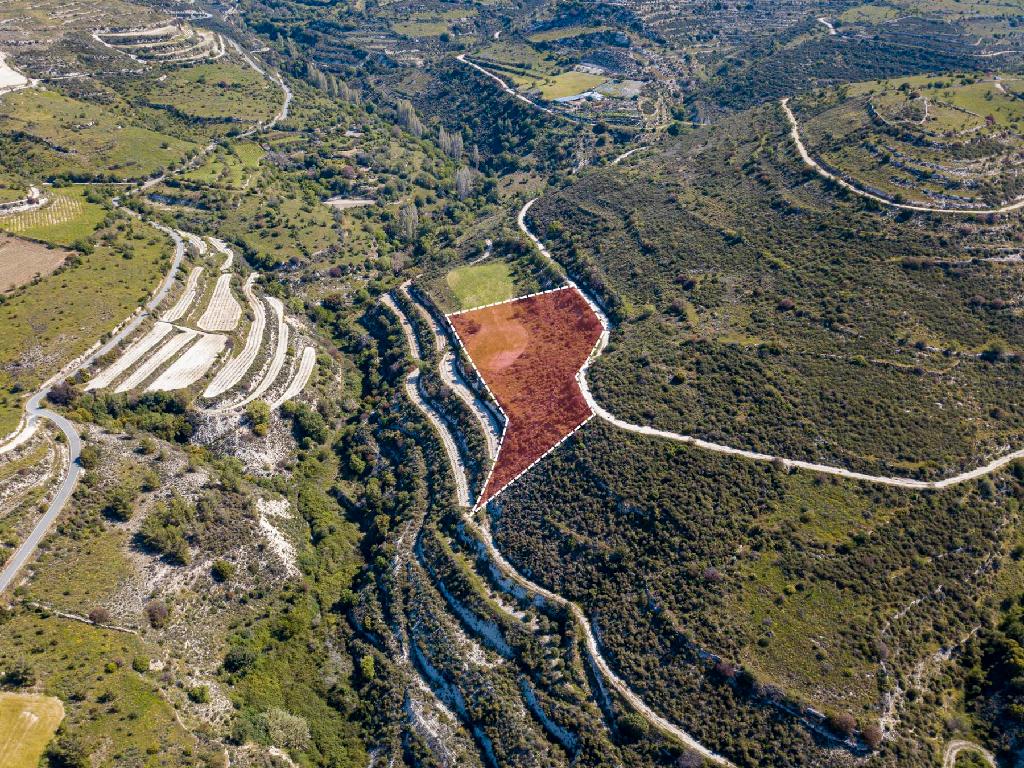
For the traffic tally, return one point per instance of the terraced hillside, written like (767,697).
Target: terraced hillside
(950,141)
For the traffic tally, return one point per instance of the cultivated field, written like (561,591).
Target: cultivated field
(27,723)
(184,302)
(155,361)
(231,373)
(23,260)
(66,218)
(192,365)
(130,356)
(223,311)
(528,352)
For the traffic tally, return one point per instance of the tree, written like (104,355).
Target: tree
(157,612)
(842,723)
(284,729)
(67,752)
(463,182)
(408,222)
(62,394)
(258,413)
(408,118)
(367,668)
(99,615)
(872,735)
(19,675)
(222,571)
(90,457)
(239,659)
(633,726)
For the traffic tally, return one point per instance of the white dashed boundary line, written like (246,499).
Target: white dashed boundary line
(569,286)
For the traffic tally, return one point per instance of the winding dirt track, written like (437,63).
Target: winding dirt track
(641,429)
(412,388)
(483,535)
(489,422)
(810,162)
(957,746)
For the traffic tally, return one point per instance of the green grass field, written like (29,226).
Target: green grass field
(27,723)
(216,91)
(481,284)
(93,139)
(228,167)
(83,664)
(41,335)
(67,218)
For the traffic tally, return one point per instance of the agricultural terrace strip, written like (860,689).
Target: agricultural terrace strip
(22,260)
(223,311)
(528,352)
(192,365)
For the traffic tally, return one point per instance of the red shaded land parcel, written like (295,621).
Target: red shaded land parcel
(528,352)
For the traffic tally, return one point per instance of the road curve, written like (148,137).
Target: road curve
(35,411)
(33,407)
(516,94)
(810,162)
(901,482)
(957,746)
(483,535)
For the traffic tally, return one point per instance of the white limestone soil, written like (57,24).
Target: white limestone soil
(233,370)
(277,361)
(192,365)
(185,301)
(10,78)
(300,379)
(129,357)
(223,248)
(223,311)
(157,359)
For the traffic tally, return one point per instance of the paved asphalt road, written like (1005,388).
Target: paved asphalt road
(34,408)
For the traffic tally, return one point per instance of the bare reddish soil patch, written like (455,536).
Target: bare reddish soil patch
(529,351)
(21,260)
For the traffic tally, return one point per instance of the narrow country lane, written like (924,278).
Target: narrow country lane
(34,410)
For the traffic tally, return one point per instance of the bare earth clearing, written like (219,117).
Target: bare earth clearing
(22,260)
(342,203)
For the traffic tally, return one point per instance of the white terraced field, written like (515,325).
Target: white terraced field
(182,305)
(301,378)
(231,372)
(129,357)
(62,209)
(192,365)
(277,361)
(221,246)
(223,312)
(157,359)
(172,43)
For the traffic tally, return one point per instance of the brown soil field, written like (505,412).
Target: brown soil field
(529,351)
(21,260)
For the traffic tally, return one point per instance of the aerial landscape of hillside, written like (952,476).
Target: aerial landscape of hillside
(494,384)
